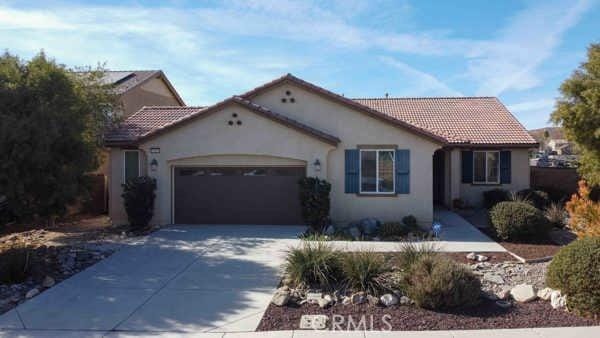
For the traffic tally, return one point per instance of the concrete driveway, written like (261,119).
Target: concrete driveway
(181,278)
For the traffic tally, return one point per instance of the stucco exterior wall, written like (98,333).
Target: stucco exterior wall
(473,193)
(152,93)
(211,141)
(355,128)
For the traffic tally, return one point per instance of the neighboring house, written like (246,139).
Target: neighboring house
(239,161)
(560,146)
(138,88)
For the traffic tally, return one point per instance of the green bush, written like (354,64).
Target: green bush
(315,202)
(393,230)
(410,221)
(575,270)
(362,270)
(15,264)
(538,198)
(313,264)
(495,196)
(436,282)
(518,221)
(410,252)
(139,194)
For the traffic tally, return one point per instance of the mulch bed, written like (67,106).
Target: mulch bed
(487,315)
(534,249)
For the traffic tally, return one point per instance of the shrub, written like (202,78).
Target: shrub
(15,264)
(313,264)
(361,271)
(393,230)
(410,221)
(494,196)
(538,198)
(518,221)
(409,253)
(584,213)
(139,194)
(436,282)
(556,215)
(575,270)
(315,203)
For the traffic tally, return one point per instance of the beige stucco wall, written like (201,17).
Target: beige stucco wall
(152,93)
(356,128)
(473,193)
(211,141)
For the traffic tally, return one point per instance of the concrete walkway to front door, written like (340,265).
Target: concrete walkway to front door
(179,279)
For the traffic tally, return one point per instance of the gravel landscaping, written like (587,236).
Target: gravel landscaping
(54,253)
(531,250)
(513,295)
(485,316)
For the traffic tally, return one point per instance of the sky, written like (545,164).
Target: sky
(519,51)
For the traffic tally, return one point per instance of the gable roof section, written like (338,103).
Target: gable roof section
(153,121)
(289,78)
(126,80)
(460,120)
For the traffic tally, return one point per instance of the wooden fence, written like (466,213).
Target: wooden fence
(558,182)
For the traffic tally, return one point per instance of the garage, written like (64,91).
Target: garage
(237,195)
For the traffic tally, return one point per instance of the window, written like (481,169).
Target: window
(486,167)
(377,171)
(131,164)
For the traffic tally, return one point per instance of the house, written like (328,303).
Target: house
(238,161)
(140,88)
(559,147)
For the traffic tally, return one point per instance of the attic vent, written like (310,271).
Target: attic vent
(289,98)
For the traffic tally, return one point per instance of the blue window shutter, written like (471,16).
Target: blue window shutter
(402,171)
(505,165)
(467,166)
(352,169)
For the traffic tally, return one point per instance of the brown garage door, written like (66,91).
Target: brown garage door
(237,195)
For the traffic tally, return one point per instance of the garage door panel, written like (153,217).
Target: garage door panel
(241,195)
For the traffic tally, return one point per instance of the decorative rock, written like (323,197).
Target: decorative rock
(545,293)
(557,301)
(325,301)
(314,322)
(523,293)
(313,297)
(281,297)
(405,300)
(346,300)
(504,293)
(493,278)
(369,226)
(373,301)
(472,256)
(358,298)
(388,299)
(482,258)
(503,304)
(48,282)
(32,293)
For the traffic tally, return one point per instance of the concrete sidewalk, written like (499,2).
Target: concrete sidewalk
(560,332)
(458,235)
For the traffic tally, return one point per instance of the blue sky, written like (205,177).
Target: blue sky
(519,51)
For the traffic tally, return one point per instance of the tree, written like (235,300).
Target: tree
(50,133)
(578,111)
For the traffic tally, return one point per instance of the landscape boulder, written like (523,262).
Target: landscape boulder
(523,293)
(281,297)
(389,299)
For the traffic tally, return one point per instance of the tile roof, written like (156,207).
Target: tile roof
(448,120)
(127,79)
(472,120)
(147,120)
(150,121)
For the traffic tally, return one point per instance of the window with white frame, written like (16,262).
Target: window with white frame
(131,164)
(486,167)
(377,171)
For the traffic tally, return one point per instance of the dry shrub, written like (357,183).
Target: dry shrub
(584,213)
